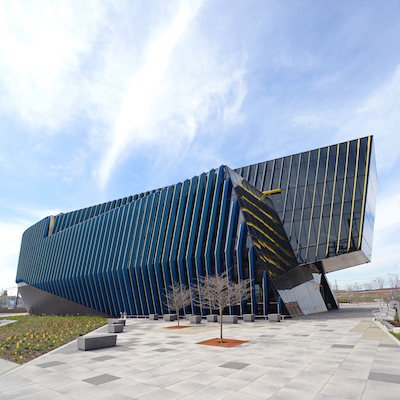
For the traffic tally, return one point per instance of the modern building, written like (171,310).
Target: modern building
(283,223)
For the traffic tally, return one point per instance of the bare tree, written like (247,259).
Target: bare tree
(349,288)
(379,282)
(394,283)
(357,287)
(177,297)
(368,286)
(218,291)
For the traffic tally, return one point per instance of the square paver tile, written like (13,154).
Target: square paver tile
(384,377)
(50,364)
(234,365)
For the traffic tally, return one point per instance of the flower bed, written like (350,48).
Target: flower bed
(32,336)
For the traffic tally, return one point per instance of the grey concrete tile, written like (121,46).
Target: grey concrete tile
(113,396)
(186,386)
(161,394)
(259,389)
(322,367)
(221,371)
(243,375)
(99,379)
(349,381)
(8,382)
(58,380)
(230,383)
(90,393)
(207,393)
(70,388)
(205,378)
(202,367)
(384,377)
(243,396)
(23,390)
(103,358)
(355,365)
(381,390)
(346,392)
(42,395)
(163,349)
(50,364)
(138,390)
(287,393)
(327,397)
(312,386)
(344,372)
(234,365)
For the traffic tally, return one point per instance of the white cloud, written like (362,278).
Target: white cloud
(379,115)
(10,239)
(185,83)
(135,110)
(40,51)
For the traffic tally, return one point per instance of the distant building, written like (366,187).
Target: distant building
(284,223)
(11,302)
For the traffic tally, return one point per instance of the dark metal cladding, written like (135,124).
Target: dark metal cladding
(283,223)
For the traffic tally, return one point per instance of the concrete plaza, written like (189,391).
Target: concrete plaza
(337,355)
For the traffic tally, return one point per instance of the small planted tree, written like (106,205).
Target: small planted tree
(218,292)
(177,297)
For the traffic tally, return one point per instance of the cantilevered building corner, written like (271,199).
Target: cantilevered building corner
(284,224)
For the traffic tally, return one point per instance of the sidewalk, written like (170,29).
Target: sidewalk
(337,355)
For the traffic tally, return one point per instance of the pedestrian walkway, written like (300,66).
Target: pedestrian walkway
(329,356)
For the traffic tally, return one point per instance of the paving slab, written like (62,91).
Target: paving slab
(340,354)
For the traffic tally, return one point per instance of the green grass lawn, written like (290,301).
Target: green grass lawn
(396,335)
(32,336)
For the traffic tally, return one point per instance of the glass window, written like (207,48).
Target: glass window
(284,178)
(267,180)
(331,168)
(314,155)
(321,170)
(260,175)
(341,166)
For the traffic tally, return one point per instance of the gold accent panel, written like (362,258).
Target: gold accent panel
(269,192)
(51,225)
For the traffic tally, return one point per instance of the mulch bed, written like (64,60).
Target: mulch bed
(395,323)
(177,327)
(226,342)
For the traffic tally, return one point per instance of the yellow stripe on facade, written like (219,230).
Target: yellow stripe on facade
(343,193)
(322,203)
(333,196)
(364,192)
(262,211)
(266,225)
(312,205)
(269,238)
(354,195)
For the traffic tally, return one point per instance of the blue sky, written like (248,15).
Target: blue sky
(104,99)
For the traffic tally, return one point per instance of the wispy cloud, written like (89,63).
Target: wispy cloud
(377,115)
(184,93)
(142,88)
(40,57)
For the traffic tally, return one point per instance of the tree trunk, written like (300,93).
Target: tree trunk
(177,315)
(220,322)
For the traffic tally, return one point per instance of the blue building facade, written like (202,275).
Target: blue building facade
(283,223)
